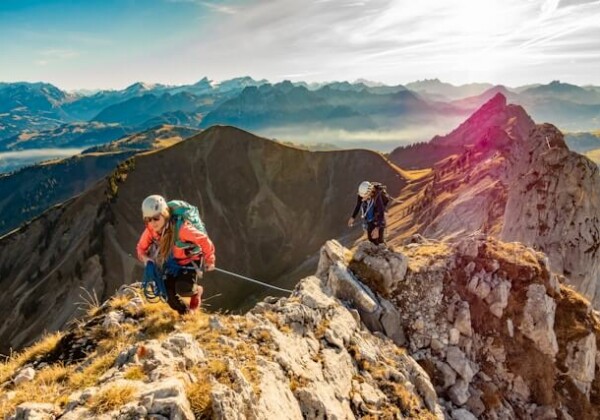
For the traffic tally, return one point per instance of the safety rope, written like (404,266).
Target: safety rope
(252,280)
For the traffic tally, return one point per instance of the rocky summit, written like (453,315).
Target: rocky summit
(463,329)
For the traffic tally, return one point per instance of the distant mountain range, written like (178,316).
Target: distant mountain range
(344,114)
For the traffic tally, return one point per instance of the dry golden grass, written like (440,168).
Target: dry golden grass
(31,392)
(56,373)
(217,368)
(118,302)
(115,337)
(198,394)
(420,256)
(594,155)
(91,303)
(135,373)
(9,367)
(166,142)
(111,398)
(195,323)
(50,385)
(408,400)
(90,374)
(158,319)
(264,336)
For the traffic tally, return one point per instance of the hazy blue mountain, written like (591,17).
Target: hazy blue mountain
(437,90)
(338,105)
(238,84)
(137,110)
(362,87)
(394,104)
(583,142)
(563,91)
(37,97)
(592,88)
(520,89)
(87,107)
(474,102)
(180,118)
(284,104)
(30,106)
(72,135)
(546,103)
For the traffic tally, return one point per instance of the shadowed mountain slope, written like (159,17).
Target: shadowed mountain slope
(28,192)
(267,208)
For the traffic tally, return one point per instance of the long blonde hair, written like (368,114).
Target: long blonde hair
(167,238)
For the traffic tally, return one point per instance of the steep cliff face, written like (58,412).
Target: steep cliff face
(268,207)
(554,205)
(489,321)
(517,181)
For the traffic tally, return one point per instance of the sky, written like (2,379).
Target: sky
(105,44)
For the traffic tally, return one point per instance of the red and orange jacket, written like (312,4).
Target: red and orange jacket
(187,233)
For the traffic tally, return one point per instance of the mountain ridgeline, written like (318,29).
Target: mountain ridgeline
(268,207)
(502,174)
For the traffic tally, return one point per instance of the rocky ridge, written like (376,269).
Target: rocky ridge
(306,356)
(495,334)
(516,181)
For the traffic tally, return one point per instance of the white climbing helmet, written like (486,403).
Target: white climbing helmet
(153,205)
(365,188)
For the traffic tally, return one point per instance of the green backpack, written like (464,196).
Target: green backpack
(182,211)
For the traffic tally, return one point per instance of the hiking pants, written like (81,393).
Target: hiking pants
(370,228)
(183,284)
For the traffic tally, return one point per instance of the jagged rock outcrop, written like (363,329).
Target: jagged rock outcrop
(554,205)
(489,321)
(495,333)
(306,356)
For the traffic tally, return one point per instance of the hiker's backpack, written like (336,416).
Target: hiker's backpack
(382,190)
(181,212)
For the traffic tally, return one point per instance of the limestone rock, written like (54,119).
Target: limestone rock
(463,320)
(459,392)
(460,363)
(581,361)
(113,320)
(25,375)
(463,414)
(35,411)
(538,319)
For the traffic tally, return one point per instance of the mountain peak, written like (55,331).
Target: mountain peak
(139,87)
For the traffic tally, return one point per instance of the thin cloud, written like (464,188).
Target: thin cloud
(220,8)
(60,54)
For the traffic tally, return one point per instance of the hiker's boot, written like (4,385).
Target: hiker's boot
(196,300)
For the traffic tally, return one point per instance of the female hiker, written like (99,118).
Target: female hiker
(372,200)
(175,240)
